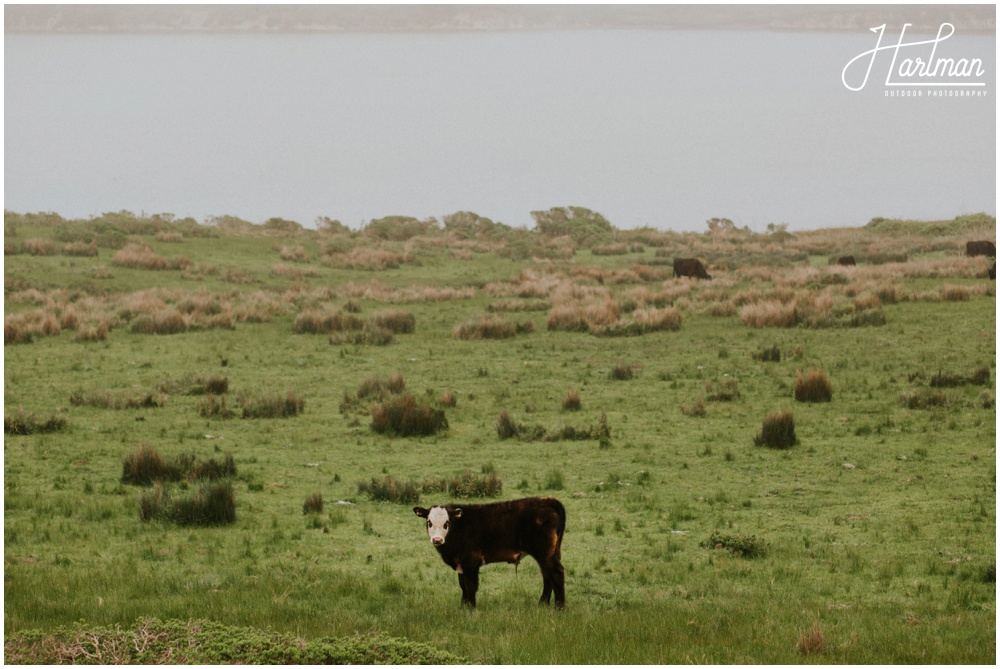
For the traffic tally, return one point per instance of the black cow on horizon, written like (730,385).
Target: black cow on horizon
(468,536)
(846,261)
(690,267)
(982,248)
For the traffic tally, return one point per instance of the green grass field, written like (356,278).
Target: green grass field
(874,536)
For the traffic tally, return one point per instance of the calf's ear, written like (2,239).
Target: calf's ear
(420,511)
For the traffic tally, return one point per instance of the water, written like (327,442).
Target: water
(658,128)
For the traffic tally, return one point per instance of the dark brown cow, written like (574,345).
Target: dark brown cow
(993,272)
(984,248)
(690,267)
(467,536)
(847,261)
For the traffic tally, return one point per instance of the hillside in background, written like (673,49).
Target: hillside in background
(379,18)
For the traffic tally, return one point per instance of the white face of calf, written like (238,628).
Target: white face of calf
(438,522)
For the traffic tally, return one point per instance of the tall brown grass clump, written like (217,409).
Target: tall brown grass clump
(139,255)
(313,503)
(272,405)
(567,318)
(811,641)
(469,484)
(145,466)
(622,372)
(507,427)
(313,321)
(21,423)
(491,327)
(212,504)
(394,320)
(777,431)
(572,401)
(813,388)
(164,322)
(401,416)
(294,254)
(770,313)
(40,247)
(388,489)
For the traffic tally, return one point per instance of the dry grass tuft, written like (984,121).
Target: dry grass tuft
(770,313)
(811,641)
(813,388)
(777,431)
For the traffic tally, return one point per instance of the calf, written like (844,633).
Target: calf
(690,267)
(471,535)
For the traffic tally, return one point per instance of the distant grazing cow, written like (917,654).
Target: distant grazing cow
(468,536)
(846,261)
(690,267)
(980,249)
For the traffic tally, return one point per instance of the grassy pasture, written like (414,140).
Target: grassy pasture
(875,534)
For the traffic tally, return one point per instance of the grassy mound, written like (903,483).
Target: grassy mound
(152,641)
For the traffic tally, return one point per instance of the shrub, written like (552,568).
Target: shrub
(572,401)
(813,388)
(313,503)
(469,484)
(777,431)
(22,423)
(402,416)
(273,405)
(742,545)
(388,489)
